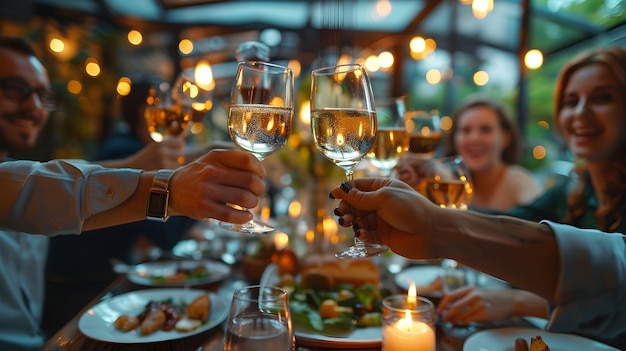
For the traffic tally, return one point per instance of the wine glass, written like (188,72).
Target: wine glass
(343,124)
(193,90)
(449,182)
(259,117)
(449,185)
(424,130)
(165,115)
(259,319)
(392,138)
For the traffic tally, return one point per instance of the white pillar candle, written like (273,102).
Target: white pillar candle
(408,334)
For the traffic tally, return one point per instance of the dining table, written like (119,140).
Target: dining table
(70,337)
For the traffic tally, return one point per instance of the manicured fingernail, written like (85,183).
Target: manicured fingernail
(340,220)
(346,187)
(336,212)
(330,195)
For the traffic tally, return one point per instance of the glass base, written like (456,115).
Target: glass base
(251,227)
(361,251)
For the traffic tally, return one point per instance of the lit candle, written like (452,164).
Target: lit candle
(410,335)
(411,299)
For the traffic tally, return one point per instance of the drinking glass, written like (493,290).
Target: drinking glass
(165,115)
(424,130)
(449,183)
(392,138)
(455,276)
(344,125)
(193,90)
(259,319)
(259,117)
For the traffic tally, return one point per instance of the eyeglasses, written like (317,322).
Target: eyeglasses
(18,90)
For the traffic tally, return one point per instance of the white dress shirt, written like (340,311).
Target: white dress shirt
(44,198)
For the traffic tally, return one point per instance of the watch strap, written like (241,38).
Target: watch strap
(158,198)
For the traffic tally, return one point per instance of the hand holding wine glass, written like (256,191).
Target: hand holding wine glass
(259,117)
(344,126)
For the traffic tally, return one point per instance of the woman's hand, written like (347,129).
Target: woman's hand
(389,212)
(205,187)
(411,169)
(472,304)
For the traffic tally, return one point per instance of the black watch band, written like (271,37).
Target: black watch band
(159,196)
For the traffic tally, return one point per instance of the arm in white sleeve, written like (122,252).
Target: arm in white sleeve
(57,197)
(591,291)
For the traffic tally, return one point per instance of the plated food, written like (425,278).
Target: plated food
(167,315)
(506,339)
(153,315)
(178,273)
(335,303)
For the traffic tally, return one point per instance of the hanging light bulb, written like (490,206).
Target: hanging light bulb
(480,8)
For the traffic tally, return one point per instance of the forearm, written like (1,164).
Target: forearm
(523,253)
(131,210)
(57,197)
(526,303)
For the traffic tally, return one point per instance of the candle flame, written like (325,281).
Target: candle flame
(412,297)
(408,320)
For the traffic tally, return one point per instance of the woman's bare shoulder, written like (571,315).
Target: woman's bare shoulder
(522,179)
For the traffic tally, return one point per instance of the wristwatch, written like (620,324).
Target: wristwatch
(159,196)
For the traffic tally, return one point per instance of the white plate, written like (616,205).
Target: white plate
(425,275)
(145,273)
(504,340)
(361,337)
(97,322)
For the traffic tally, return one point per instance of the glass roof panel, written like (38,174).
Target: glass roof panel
(365,15)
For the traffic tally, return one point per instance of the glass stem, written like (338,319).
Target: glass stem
(349,175)
(358,244)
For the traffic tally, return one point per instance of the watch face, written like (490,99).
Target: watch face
(157,204)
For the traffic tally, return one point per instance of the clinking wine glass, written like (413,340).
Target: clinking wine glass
(344,126)
(392,138)
(193,90)
(449,185)
(424,130)
(449,182)
(259,117)
(164,114)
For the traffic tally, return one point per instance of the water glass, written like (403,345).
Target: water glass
(259,320)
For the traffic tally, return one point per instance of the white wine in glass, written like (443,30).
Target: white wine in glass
(449,183)
(392,138)
(424,130)
(344,126)
(259,117)
(164,115)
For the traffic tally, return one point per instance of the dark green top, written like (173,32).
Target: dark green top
(553,206)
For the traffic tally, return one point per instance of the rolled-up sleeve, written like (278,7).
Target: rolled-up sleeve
(591,292)
(56,197)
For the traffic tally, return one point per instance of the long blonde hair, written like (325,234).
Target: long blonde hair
(614,58)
